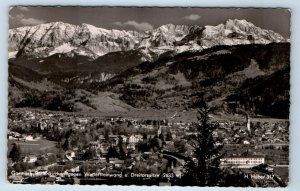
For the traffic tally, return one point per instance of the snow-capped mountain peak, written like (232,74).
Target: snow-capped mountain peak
(85,39)
(235,32)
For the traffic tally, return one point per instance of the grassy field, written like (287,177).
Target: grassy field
(33,147)
(182,116)
(153,114)
(172,115)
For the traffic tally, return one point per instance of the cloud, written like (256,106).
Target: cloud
(23,8)
(16,17)
(118,23)
(19,16)
(192,17)
(20,19)
(143,26)
(31,21)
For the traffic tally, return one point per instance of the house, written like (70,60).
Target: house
(104,148)
(30,116)
(79,127)
(11,137)
(124,138)
(133,139)
(70,155)
(215,134)
(30,159)
(246,142)
(75,169)
(28,138)
(41,172)
(83,120)
(101,138)
(43,125)
(139,137)
(14,134)
(135,156)
(10,162)
(116,162)
(94,144)
(173,136)
(131,146)
(268,132)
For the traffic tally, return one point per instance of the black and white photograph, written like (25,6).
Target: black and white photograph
(163,96)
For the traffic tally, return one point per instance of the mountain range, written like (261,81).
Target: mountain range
(47,39)
(60,66)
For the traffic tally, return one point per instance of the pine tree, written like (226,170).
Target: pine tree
(15,153)
(204,169)
(89,154)
(122,149)
(67,144)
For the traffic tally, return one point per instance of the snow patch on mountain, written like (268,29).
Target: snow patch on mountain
(64,48)
(192,47)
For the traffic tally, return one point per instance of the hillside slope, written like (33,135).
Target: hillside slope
(177,81)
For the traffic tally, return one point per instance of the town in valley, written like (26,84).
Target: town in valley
(62,148)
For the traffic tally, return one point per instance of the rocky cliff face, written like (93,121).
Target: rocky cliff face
(235,32)
(58,37)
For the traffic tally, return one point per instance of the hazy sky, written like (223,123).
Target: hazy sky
(148,18)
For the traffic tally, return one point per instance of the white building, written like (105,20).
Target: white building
(242,161)
(70,155)
(28,138)
(131,146)
(30,159)
(124,138)
(83,120)
(135,138)
(246,142)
